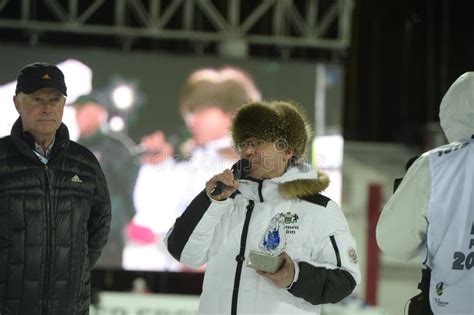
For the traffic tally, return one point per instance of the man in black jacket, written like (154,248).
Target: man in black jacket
(54,204)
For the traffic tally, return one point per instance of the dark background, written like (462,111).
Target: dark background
(158,78)
(403,56)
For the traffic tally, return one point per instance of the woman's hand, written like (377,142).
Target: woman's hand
(283,278)
(227,178)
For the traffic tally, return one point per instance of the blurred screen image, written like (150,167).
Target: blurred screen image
(159,126)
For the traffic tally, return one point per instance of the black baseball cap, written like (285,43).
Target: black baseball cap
(40,75)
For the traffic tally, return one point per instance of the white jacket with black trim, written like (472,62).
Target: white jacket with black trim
(431,214)
(221,234)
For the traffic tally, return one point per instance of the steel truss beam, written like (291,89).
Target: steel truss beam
(293,23)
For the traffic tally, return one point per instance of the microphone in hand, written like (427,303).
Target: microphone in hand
(241,169)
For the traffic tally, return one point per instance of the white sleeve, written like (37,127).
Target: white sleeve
(338,248)
(157,195)
(196,230)
(401,229)
(333,271)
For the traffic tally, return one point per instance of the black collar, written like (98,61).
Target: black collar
(25,142)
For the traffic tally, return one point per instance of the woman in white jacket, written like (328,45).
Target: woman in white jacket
(319,259)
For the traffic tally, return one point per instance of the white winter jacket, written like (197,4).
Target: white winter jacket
(221,234)
(431,213)
(406,213)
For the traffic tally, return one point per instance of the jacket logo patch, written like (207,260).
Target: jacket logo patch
(290,217)
(353,256)
(440,288)
(290,220)
(76,179)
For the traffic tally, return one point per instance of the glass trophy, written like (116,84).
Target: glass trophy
(272,245)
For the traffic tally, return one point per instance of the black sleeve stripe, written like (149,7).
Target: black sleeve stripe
(186,223)
(336,250)
(318,285)
(317,199)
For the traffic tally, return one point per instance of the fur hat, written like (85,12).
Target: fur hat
(273,121)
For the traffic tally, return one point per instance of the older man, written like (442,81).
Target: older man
(54,204)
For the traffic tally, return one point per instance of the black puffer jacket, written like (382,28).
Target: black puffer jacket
(54,222)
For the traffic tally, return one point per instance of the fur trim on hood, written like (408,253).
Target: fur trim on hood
(457,109)
(301,181)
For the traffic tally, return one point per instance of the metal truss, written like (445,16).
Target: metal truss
(289,23)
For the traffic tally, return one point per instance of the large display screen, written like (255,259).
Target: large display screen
(139,97)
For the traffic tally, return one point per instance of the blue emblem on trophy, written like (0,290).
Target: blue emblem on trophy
(272,245)
(274,240)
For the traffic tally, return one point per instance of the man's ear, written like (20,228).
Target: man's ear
(289,152)
(16,101)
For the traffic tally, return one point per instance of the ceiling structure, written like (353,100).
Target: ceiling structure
(233,25)
(399,57)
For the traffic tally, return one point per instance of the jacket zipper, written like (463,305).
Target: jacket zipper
(241,257)
(48,248)
(260,186)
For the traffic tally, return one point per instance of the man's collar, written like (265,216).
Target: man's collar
(38,149)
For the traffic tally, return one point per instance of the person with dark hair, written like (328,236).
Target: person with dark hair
(274,208)
(207,101)
(113,151)
(54,204)
(431,214)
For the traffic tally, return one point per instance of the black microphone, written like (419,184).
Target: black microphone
(241,169)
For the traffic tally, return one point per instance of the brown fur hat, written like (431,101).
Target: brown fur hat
(273,121)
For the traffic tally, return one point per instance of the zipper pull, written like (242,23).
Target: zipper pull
(48,182)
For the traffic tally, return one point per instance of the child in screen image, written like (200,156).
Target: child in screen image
(166,186)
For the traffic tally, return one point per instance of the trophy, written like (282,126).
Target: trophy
(272,245)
